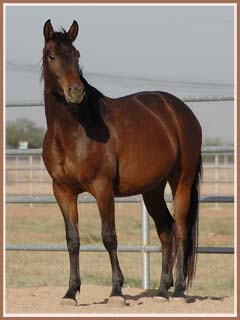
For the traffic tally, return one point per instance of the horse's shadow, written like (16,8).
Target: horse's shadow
(105,301)
(151,293)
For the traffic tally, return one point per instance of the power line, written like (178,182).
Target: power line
(33,69)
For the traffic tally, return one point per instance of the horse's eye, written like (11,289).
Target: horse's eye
(51,57)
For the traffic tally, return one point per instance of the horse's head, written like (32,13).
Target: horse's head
(60,63)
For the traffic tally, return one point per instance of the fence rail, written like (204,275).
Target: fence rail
(185,99)
(93,248)
(205,151)
(88,199)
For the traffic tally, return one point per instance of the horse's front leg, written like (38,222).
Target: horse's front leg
(67,201)
(105,200)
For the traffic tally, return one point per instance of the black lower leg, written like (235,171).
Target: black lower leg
(164,229)
(110,243)
(166,278)
(180,284)
(73,244)
(158,210)
(117,276)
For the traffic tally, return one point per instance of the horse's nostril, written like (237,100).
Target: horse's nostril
(74,89)
(76,93)
(70,89)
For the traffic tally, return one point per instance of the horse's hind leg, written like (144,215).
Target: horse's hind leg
(105,200)
(184,187)
(181,205)
(157,208)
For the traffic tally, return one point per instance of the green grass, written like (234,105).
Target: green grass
(33,269)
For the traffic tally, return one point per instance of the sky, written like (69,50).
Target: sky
(185,50)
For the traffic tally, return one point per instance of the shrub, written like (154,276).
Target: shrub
(24,130)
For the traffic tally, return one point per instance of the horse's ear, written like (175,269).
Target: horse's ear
(48,30)
(73,31)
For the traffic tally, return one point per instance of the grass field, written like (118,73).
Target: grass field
(39,224)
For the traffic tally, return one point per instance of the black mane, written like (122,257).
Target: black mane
(61,37)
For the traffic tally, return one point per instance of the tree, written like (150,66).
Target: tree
(24,130)
(213,142)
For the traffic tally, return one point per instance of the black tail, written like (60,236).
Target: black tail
(192,224)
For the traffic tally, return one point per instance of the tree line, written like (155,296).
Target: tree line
(24,130)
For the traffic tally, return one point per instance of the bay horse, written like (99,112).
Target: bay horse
(120,147)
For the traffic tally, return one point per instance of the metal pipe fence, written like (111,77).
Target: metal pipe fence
(121,248)
(145,249)
(88,199)
(219,150)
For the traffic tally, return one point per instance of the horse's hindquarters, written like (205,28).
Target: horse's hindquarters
(156,134)
(145,160)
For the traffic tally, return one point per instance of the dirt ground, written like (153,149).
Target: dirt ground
(94,300)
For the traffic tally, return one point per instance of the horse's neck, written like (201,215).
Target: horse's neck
(84,120)
(57,111)
(85,114)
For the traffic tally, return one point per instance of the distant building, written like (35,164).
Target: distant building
(23,145)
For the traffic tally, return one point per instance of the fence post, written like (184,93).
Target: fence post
(17,167)
(225,167)
(145,242)
(42,168)
(30,162)
(216,177)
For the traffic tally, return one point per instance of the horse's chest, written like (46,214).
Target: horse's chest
(76,164)
(75,171)
(64,170)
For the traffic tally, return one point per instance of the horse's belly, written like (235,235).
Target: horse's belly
(129,189)
(139,175)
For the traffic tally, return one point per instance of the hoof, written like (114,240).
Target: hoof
(118,301)
(143,300)
(181,298)
(190,299)
(160,299)
(69,302)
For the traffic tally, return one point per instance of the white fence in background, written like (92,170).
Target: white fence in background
(214,158)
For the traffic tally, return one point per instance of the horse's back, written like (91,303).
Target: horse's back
(155,116)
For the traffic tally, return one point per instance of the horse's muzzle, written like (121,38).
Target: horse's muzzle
(75,94)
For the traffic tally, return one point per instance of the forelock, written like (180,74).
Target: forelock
(61,37)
